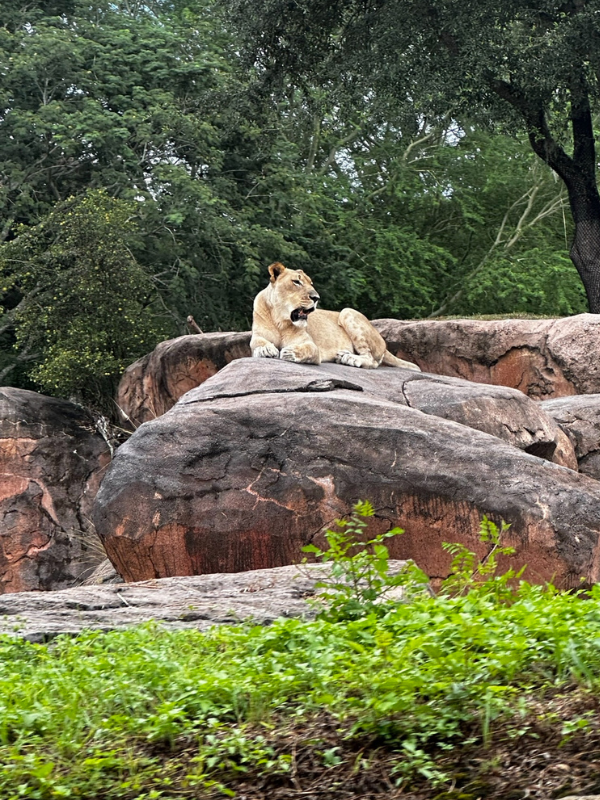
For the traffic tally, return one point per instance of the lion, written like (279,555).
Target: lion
(286,324)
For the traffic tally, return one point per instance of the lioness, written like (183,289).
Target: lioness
(287,325)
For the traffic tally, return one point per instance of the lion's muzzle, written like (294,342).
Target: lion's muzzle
(301,314)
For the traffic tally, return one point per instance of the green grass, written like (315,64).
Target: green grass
(146,713)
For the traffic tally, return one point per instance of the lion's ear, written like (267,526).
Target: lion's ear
(275,270)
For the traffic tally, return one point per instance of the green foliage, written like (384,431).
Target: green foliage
(521,68)
(396,212)
(134,712)
(540,281)
(468,572)
(432,54)
(360,578)
(87,309)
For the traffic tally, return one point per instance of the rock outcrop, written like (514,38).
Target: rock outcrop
(580,418)
(257,461)
(543,358)
(185,602)
(154,383)
(51,464)
(499,410)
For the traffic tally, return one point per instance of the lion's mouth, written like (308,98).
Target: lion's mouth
(301,314)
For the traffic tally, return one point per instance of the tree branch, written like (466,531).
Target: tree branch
(332,153)
(584,150)
(542,142)
(314,143)
(507,243)
(193,325)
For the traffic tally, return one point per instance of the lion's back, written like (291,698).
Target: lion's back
(324,329)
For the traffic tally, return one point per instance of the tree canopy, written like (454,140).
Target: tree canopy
(531,66)
(148,172)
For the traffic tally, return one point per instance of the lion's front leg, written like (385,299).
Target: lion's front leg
(305,353)
(263,348)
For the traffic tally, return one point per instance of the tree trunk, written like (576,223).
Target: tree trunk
(577,171)
(585,250)
(585,254)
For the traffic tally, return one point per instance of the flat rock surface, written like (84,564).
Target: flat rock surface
(184,602)
(52,460)
(241,474)
(498,410)
(543,358)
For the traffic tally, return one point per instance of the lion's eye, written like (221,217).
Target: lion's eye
(298,283)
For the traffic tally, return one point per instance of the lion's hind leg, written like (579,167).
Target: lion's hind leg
(368,344)
(354,360)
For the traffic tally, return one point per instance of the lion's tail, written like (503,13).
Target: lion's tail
(390,360)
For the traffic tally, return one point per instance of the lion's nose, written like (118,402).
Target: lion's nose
(315,296)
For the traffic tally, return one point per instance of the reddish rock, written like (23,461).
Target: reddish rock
(542,358)
(154,383)
(580,419)
(238,476)
(51,464)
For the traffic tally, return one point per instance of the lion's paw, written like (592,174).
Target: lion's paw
(287,354)
(348,359)
(266,351)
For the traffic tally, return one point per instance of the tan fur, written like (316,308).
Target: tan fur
(344,336)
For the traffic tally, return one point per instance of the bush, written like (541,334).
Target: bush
(85,308)
(360,580)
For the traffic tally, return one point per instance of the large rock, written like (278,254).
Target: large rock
(503,412)
(154,383)
(198,602)
(51,464)
(255,463)
(543,358)
(185,602)
(580,417)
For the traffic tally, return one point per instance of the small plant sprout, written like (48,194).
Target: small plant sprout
(468,572)
(360,578)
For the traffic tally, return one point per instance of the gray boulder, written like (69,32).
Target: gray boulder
(579,417)
(257,461)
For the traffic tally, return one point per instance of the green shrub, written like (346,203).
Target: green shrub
(468,573)
(86,308)
(360,579)
(152,713)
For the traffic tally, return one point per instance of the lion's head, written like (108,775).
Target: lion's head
(293,295)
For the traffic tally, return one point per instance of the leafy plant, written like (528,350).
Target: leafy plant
(468,572)
(87,308)
(132,713)
(360,577)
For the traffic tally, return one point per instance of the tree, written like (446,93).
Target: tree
(126,96)
(532,66)
(86,309)
(206,178)
(98,94)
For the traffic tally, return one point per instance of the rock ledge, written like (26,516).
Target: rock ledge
(199,601)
